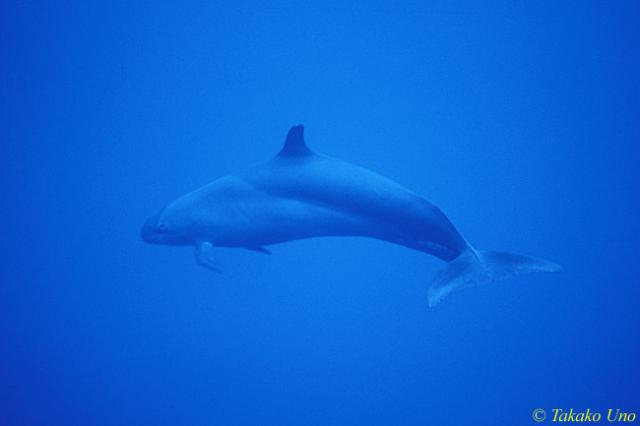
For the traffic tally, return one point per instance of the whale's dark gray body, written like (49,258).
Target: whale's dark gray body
(301,194)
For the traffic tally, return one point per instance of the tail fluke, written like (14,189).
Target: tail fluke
(476,267)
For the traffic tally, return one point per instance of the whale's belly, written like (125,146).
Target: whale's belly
(261,219)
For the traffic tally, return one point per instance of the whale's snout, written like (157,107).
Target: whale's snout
(162,228)
(149,231)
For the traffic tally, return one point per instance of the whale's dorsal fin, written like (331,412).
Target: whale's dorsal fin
(294,145)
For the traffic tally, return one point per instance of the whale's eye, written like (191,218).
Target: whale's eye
(162,229)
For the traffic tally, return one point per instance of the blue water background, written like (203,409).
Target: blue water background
(519,119)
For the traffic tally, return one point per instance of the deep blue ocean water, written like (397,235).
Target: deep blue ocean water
(519,119)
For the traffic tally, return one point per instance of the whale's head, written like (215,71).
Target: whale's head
(171,226)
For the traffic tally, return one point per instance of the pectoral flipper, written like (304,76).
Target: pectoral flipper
(204,256)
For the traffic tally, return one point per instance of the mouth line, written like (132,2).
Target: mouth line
(148,229)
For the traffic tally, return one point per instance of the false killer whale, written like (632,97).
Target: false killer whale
(302,194)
